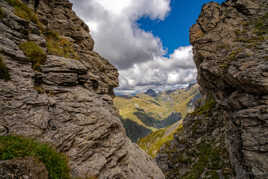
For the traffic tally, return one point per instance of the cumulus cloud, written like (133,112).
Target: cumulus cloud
(160,73)
(136,53)
(114,29)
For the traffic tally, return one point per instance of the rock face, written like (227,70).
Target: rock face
(28,168)
(231,128)
(57,90)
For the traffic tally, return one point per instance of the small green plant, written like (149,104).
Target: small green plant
(88,177)
(231,57)
(209,157)
(211,175)
(14,146)
(1,13)
(34,52)
(24,12)
(209,104)
(39,89)
(4,74)
(261,26)
(60,46)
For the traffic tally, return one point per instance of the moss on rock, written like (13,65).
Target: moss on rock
(24,12)
(209,158)
(60,46)
(34,52)
(56,163)
(1,13)
(205,108)
(4,74)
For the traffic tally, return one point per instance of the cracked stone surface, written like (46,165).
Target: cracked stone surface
(230,50)
(68,102)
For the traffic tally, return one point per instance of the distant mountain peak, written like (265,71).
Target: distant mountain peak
(151,92)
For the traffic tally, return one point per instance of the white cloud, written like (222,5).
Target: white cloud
(114,6)
(161,72)
(136,53)
(114,29)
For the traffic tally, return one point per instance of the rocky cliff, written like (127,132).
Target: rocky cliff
(57,90)
(228,135)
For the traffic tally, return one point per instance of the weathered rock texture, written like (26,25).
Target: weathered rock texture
(65,101)
(28,168)
(228,135)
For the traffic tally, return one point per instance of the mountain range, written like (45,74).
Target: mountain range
(150,111)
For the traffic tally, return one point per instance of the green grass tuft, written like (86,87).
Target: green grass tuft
(56,163)
(2,15)
(212,175)
(231,57)
(209,157)
(60,46)
(35,53)
(24,12)
(204,109)
(4,74)
(261,25)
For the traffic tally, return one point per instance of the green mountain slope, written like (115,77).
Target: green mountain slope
(150,112)
(152,143)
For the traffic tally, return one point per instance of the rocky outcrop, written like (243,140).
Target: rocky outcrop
(227,135)
(55,89)
(28,168)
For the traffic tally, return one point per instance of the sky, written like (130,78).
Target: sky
(147,40)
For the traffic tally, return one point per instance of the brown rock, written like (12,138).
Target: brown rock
(23,168)
(230,49)
(67,102)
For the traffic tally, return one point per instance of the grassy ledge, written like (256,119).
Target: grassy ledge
(57,45)
(56,163)
(24,12)
(4,74)
(34,52)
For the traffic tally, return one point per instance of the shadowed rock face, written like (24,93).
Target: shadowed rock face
(23,168)
(230,49)
(67,100)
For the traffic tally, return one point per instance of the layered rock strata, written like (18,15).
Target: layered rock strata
(56,89)
(228,135)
